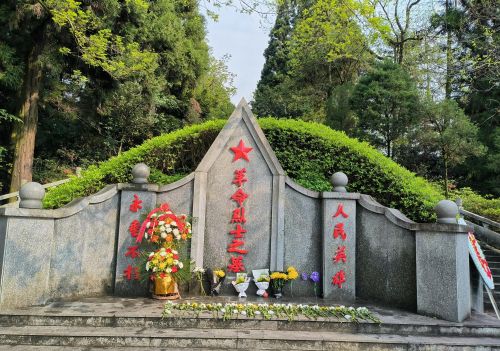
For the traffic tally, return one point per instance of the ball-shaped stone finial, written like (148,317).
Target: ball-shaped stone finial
(446,211)
(339,181)
(31,195)
(140,173)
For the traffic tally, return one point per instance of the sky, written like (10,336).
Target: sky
(244,38)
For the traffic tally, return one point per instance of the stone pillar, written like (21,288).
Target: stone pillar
(147,194)
(477,290)
(339,238)
(31,195)
(442,263)
(26,240)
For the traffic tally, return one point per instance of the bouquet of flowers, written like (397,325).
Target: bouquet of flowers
(163,261)
(199,273)
(278,280)
(218,276)
(241,284)
(162,227)
(164,266)
(315,278)
(262,283)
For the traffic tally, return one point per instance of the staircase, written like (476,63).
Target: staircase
(136,324)
(493,257)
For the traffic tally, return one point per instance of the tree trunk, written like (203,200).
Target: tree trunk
(23,135)
(448,53)
(446,178)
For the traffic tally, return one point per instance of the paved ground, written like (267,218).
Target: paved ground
(145,307)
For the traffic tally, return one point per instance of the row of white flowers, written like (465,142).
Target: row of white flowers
(270,311)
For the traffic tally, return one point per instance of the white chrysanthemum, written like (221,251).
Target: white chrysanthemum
(163,254)
(176,231)
(147,266)
(175,252)
(148,224)
(162,228)
(169,270)
(169,230)
(161,222)
(163,235)
(176,261)
(181,265)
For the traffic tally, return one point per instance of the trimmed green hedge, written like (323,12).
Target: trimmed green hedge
(309,153)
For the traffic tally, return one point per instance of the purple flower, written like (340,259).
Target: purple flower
(304,276)
(314,277)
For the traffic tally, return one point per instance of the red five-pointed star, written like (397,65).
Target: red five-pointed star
(241,151)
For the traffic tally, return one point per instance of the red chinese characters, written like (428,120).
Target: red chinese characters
(240,177)
(338,231)
(239,196)
(236,264)
(234,247)
(131,273)
(340,256)
(238,217)
(238,232)
(134,228)
(339,278)
(340,212)
(136,204)
(132,251)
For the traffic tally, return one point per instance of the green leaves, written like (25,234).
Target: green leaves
(97,45)
(387,104)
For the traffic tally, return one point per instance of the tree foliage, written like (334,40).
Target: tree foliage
(387,104)
(452,133)
(103,66)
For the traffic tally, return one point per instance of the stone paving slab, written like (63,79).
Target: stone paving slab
(148,308)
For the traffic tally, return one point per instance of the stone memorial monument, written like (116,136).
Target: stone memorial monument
(246,215)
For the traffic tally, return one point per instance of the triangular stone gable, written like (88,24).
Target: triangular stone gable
(264,208)
(241,117)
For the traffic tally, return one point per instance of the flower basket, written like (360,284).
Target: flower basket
(262,286)
(242,287)
(165,288)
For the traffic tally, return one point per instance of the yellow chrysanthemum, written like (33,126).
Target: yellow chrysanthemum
(220,273)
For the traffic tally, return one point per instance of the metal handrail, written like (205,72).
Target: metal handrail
(486,222)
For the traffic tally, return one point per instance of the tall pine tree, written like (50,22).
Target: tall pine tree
(268,99)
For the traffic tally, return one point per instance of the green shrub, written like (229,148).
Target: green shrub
(308,152)
(473,202)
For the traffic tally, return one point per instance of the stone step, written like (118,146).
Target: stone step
(231,339)
(418,325)
(82,348)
